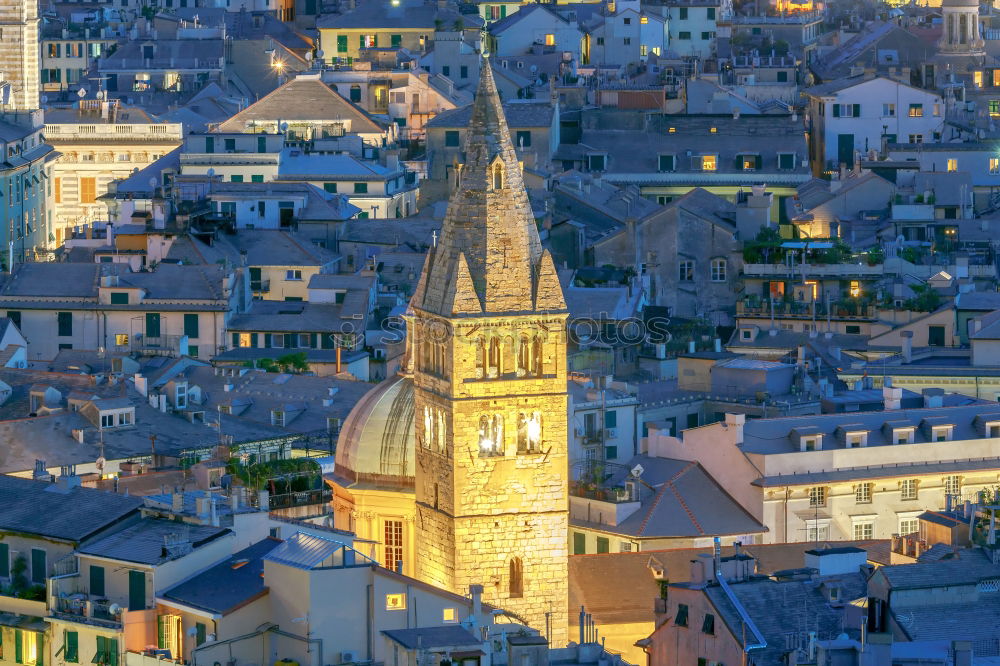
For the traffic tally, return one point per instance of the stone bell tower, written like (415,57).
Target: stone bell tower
(961,34)
(488,354)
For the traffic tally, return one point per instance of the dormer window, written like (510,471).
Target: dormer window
(993,428)
(941,433)
(902,435)
(811,443)
(277,417)
(855,440)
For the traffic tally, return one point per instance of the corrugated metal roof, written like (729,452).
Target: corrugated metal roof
(309,551)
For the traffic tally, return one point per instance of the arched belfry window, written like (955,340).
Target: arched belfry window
(515,582)
(497,176)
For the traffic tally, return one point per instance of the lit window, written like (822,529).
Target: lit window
(714,130)
(994,106)
(708,162)
(672,130)
(916,110)
(908,489)
(644,20)
(952,164)
(244,340)
(121,339)
(977,79)
(550,39)
(863,493)
(856,439)
(749,162)
(718,270)
(817,496)
(395,601)
(393,545)
(449,615)
(995,165)
(686,271)
(643,50)
(993,429)
(855,288)
(902,435)
(996,78)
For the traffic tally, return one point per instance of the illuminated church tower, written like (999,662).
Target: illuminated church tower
(489,372)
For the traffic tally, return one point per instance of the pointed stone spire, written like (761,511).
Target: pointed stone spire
(489,250)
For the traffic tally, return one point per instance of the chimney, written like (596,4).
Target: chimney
(476,594)
(892,397)
(736,421)
(263,500)
(933,397)
(717,345)
(907,346)
(691,346)
(213,512)
(177,501)
(234,501)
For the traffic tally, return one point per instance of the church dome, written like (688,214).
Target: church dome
(376,444)
(960,4)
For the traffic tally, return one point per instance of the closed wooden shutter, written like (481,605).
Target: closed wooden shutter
(88,190)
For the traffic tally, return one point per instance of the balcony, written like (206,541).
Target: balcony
(799,310)
(814,270)
(260,286)
(79,607)
(116,133)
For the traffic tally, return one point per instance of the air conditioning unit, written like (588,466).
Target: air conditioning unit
(348,657)
(611,433)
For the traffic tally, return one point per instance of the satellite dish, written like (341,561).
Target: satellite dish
(100,462)
(309,56)
(319,54)
(283,127)
(152,182)
(100,94)
(81,93)
(211,172)
(533,68)
(637,471)
(114,609)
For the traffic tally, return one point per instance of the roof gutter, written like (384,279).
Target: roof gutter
(759,640)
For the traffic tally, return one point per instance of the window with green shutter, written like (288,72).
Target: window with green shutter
(341,43)
(96,581)
(119,298)
(361,188)
(136,590)
(786,161)
(262,144)
(39,565)
(64,321)
(330,187)
(257,178)
(603,545)
(18,646)
(666,162)
(236,178)
(191,325)
(610,452)
(152,324)
(71,647)
(611,418)
(4,560)
(395,40)
(579,543)
(199,633)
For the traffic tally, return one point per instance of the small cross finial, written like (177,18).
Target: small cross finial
(434,238)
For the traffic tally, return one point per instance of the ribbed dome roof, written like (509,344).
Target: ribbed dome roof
(376,444)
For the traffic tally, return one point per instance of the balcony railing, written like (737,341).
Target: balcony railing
(80,608)
(785,310)
(814,270)
(260,285)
